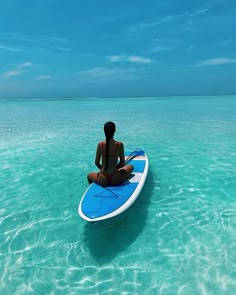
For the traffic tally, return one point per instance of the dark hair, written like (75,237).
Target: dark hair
(109,130)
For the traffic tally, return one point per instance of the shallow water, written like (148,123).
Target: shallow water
(178,237)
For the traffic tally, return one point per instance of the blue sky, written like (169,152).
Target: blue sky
(85,48)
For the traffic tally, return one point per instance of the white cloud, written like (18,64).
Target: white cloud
(139,59)
(168,19)
(46,43)
(25,65)
(11,73)
(8,48)
(57,39)
(65,49)
(115,58)
(198,12)
(44,77)
(216,62)
(151,24)
(102,73)
(190,47)
(132,58)
(17,71)
(158,49)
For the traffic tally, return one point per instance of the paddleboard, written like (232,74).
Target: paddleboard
(99,203)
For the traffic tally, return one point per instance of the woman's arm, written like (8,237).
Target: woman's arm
(98,157)
(121,156)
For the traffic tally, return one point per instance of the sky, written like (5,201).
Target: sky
(125,48)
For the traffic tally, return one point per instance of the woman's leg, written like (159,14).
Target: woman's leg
(122,174)
(91,177)
(126,170)
(98,178)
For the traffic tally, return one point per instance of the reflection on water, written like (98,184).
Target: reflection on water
(107,238)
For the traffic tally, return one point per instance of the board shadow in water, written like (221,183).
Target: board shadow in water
(106,239)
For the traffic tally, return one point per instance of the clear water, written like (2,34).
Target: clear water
(178,238)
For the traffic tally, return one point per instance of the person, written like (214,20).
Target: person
(109,151)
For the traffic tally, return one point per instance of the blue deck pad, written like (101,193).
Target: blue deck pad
(100,201)
(139,165)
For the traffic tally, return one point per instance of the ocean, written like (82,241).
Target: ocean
(179,237)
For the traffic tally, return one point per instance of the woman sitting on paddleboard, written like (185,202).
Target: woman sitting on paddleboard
(110,150)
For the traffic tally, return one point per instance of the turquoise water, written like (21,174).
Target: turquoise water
(178,238)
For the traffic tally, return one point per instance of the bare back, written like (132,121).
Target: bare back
(116,151)
(113,169)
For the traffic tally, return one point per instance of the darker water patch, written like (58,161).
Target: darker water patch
(106,239)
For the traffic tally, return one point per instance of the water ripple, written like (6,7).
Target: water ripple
(178,237)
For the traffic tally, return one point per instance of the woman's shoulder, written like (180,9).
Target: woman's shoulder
(101,142)
(119,144)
